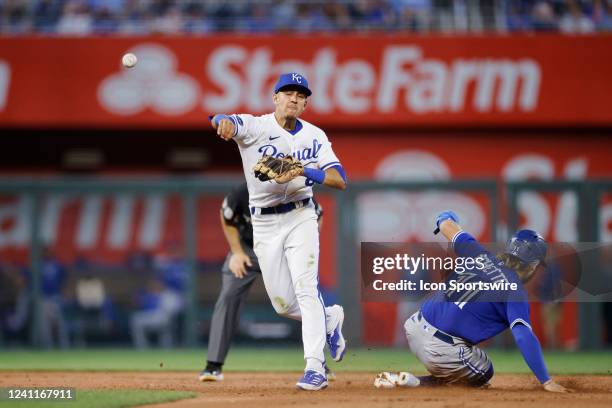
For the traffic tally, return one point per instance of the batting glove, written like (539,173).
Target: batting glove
(443,216)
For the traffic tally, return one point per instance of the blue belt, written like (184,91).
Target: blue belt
(282,208)
(438,334)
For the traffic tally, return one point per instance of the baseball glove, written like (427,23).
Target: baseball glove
(281,169)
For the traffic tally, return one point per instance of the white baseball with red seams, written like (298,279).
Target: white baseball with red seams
(129,60)
(287,244)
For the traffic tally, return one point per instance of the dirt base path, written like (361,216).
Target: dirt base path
(350,390)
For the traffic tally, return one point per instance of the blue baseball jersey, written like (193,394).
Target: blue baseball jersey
(476,315)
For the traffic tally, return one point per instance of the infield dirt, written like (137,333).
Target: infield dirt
(354,390)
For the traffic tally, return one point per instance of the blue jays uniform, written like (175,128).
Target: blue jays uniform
(444,333)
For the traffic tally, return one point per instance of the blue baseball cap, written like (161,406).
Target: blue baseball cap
(292,79)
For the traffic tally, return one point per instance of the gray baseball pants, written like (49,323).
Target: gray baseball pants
(448,359)
(227,309)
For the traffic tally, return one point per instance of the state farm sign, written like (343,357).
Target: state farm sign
(428,85)
(357,81)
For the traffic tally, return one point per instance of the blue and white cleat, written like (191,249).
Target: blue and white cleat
(312,381)
(335,339)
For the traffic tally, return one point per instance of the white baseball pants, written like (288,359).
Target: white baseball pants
(287,247)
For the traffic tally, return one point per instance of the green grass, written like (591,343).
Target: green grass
(107,399)
(278,359)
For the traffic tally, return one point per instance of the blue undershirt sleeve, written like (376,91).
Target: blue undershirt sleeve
(531,350)
(340,170)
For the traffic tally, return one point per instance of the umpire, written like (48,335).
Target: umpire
(238,274)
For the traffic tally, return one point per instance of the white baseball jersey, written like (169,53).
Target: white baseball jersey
(287,244)
(257,136)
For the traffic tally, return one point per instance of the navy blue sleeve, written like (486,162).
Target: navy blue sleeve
(531,350)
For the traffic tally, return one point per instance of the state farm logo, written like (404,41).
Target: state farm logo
(404,78)
(154,83)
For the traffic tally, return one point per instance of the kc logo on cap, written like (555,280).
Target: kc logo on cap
(295,80)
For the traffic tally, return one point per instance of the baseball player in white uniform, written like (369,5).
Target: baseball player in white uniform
(285,231)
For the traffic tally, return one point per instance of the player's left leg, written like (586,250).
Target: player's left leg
(449,360)
(269,237)
(302,254)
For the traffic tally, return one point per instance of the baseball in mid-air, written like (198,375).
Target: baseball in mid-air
(129,60)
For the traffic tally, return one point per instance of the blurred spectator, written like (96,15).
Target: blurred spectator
(76,19)
(413,15)
(517,16)
(258,21)
(320,19)
(53,330)
(15,16)
(53,322)
(113,6)
(94,312)
(196,22)
(162,302)
(574,21)
(225,16)
(16,278)
(282,14)
(169,22)
(46,14)
(139,262)
(171,270)
(543,17)
(443,18)
(602,14)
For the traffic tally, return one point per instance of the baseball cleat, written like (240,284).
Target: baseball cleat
(335,339)
(385,380)
(211,375)
(408,380)
(392,380)
(331,376)
(312,381)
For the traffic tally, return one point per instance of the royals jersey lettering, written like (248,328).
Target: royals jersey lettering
(257,136)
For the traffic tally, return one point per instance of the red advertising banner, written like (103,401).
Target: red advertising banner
(543,80)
